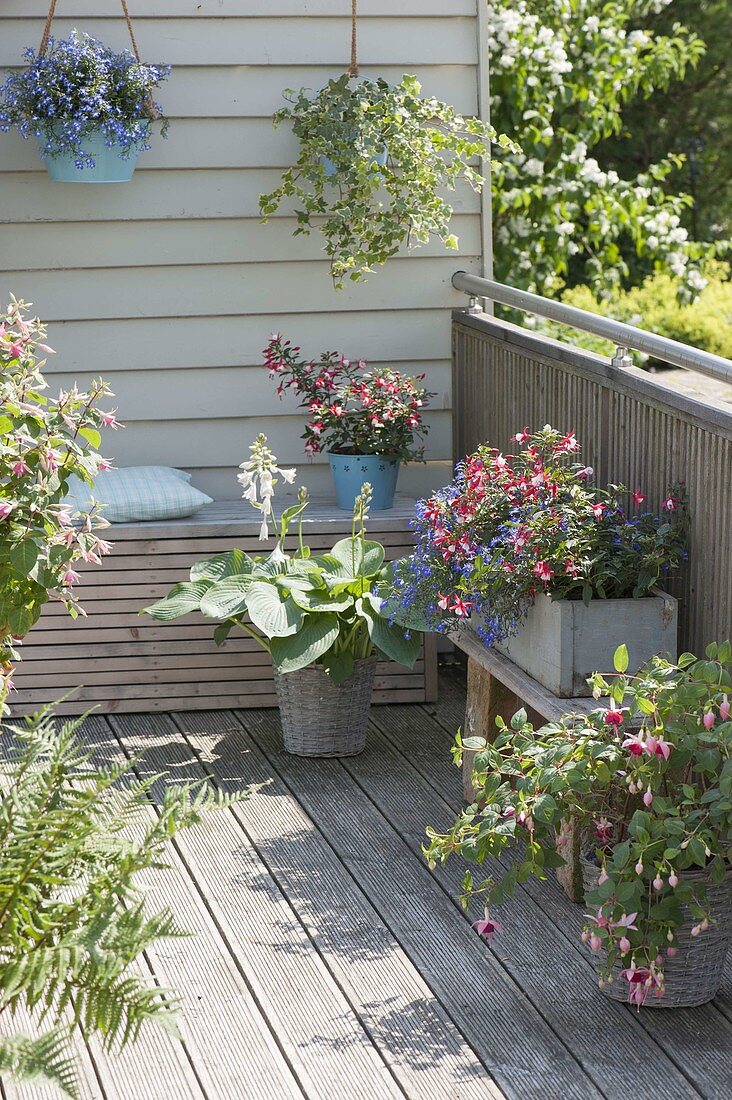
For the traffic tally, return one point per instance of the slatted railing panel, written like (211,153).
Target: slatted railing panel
(634,431)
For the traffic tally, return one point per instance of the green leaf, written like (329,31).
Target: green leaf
(228,564)
(620,659)
(181,600)
(23,556)
(392,641)
(92,436)
(222,631)
(227,597)
(20,620)
(317,600)
(339,666)
(303,648)
(361,560)
(288,515)
(6,426)
(276,615)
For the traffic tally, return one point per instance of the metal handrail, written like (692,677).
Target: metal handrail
(624,336)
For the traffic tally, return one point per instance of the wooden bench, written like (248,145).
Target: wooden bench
(498,688)
(131,662)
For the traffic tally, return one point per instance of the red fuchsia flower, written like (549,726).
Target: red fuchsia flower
(521,436)
(598,510)
(567,445)
(638,497)
(20,468)
(613,716)
(585,473)
(487,927)
(603,830)
(670,504)
(708,720)
(571,568)
(641,980)
(461,607)
(724,709)
(543,571)
(432,511)
(443,602)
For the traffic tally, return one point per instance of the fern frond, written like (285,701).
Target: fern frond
(28,1059)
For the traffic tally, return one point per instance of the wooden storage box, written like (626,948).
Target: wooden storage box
(562,642)
(124,661)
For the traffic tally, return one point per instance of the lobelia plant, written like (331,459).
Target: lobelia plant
(43,442)
(74,837)
(353,410)
(374,159)
(78,87)
(302,608)
(648,780)
(511,526)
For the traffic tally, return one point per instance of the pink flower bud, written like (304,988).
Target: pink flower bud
(639,868)
(724,709)
(708,720)
(596,942)
(585,936)
(696,930)
(602,878)
(624,945)
(658,883)
(673,879)
(648,797)
(671,951)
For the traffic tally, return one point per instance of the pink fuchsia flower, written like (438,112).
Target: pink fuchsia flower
(16,350)
(641,980)
(71,577)
(487,928)
(638,497)
(6,507)
(64,517)
(708,720)
(724,709)
(461,607)
(109,419)
(585,473)
(598,510)
(521,436)
(670,504)
(658,746)
(544,571)
(20,468)
(613,716)
(627,921)
(443,602)
(634,744)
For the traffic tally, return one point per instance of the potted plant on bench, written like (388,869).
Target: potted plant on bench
(367,421)
(319,616)
(545,567)
(91,109)
(648,779)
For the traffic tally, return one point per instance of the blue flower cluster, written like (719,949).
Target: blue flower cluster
(80,87)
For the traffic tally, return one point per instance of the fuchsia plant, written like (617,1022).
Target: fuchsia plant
(352,410)
(43,441)
(648,779)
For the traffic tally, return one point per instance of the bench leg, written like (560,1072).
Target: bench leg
(487,700)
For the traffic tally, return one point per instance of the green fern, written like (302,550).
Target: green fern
(73,839)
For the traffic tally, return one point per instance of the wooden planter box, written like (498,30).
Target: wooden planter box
(562,642)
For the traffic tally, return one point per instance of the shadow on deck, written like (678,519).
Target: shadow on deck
(330,963)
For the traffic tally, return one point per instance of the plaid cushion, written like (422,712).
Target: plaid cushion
(138,493)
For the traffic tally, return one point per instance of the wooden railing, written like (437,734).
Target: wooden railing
(634,431)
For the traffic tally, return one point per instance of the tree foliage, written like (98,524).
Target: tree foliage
(562,73)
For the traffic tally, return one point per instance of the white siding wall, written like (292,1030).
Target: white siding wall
(169,286)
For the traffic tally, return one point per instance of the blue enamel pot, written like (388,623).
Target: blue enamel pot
(350,472)
(110,166)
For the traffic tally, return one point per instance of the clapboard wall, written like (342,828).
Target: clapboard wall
(169,286)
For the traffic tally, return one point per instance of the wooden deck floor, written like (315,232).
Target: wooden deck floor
(330,963)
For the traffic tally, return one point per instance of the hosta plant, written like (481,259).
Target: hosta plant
(300,607)
(78,87)
(74,838)
(647,778)
(351,410)
(43,442)
(374,162)
(511,526)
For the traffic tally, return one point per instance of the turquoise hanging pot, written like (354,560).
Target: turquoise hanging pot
(110,166)
(350,472)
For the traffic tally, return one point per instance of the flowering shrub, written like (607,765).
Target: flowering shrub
(367,210)
(303,609)
(43,441)
(354,411)
(561,73)
(648,779)
(510,526)
(77,87)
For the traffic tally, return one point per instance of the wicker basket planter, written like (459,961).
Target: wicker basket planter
(320,718)
(693,976)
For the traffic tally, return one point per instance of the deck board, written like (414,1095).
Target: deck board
(329,963)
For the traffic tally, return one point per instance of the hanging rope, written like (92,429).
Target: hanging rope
(125,11)
(353,70)
(52,11)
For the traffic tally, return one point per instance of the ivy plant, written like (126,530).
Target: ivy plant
(374,162)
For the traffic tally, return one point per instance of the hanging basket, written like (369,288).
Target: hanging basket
(111,165)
